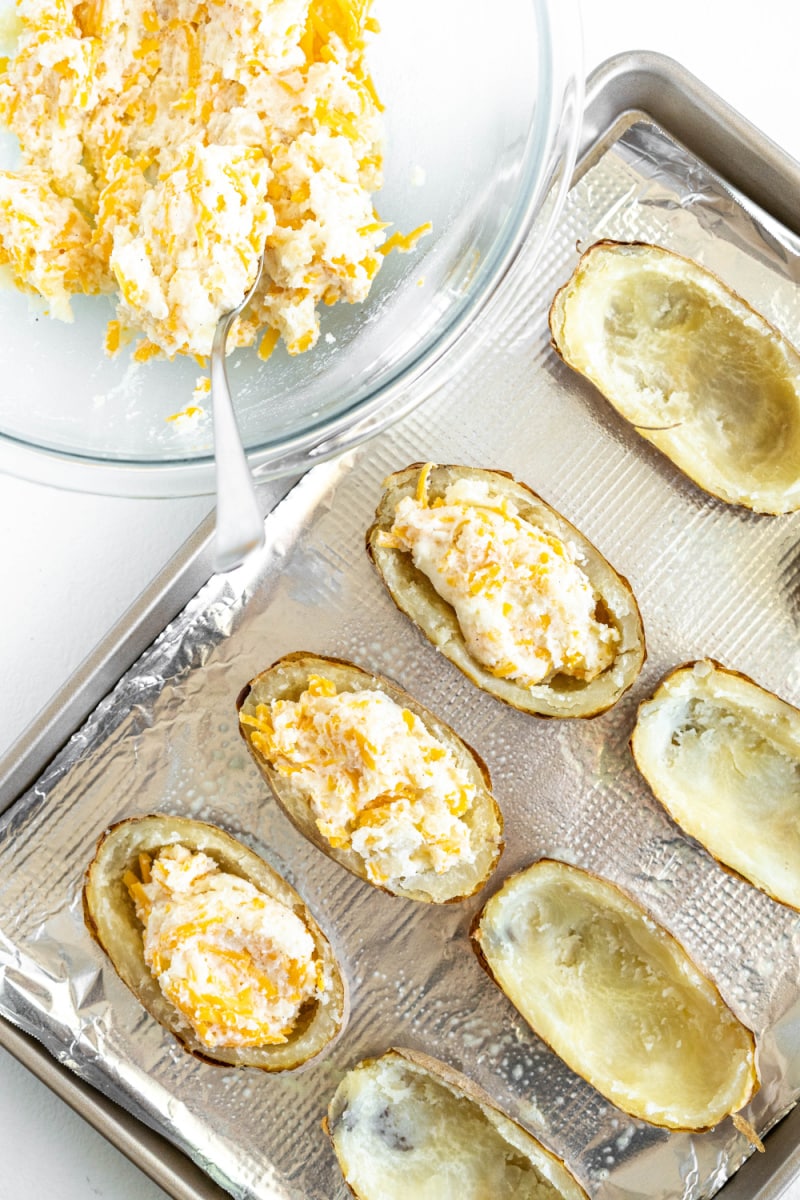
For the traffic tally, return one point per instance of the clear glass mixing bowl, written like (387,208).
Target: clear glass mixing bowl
(482,108)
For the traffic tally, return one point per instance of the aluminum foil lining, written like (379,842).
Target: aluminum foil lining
(710,579)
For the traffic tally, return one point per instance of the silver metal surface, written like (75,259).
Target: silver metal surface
(642,82)
(710,580)
(172,588)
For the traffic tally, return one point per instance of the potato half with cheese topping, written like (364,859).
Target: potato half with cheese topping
(214,943)
(722,755)
(407,1127)
(507,589)
(617,997)
(691,365)
(373,778)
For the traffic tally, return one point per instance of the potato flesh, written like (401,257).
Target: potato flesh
(616,997)
(402,1134)
(670,346)
(723,756)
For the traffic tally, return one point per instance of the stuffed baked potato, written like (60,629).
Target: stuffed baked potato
(373,778)
(507,589)
(213,943)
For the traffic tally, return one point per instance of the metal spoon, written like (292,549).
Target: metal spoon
(239,524)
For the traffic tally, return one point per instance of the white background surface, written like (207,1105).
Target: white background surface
(72,564)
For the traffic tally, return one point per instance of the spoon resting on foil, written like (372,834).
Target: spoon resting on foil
(239,522)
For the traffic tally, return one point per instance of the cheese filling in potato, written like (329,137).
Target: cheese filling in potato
(377,781)
(526,608)
(237,963)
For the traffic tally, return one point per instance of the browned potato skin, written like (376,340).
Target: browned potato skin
(317,1026)
(459,1083)
(288,678)
(415,596)
(476,946)
(687,666)
(643,431)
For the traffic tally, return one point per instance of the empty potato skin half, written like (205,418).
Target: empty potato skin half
(111,919)
(408,1127)
(690,365)
(559,696)
(617,997)
(287,679)
(722,755)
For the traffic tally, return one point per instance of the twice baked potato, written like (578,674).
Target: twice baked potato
(722,755)
(507,589)
(691,365)
(407,1127)
(213,943)
(616,996)
(373,778)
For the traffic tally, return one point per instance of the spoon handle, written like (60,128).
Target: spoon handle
(239,522)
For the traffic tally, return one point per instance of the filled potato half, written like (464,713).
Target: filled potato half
(407,1127)
(722,755)
(373,778)
(691,365)
(617,997)
(213,943)
(507,589)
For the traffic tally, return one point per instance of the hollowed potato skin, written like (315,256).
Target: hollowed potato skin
(370,1126)
(745,817)
(690,365)
(616,996)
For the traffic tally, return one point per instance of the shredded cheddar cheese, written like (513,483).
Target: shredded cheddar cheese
(237,963)
(377,781)
(525,606)
(405,241)
(165,144)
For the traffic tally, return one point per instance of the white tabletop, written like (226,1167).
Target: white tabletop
(71,588)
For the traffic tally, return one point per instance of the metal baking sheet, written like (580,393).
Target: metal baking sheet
(710,580)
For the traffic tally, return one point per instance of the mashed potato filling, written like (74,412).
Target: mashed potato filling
(377,781)
(238,964)
(526,608)
(167,144)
